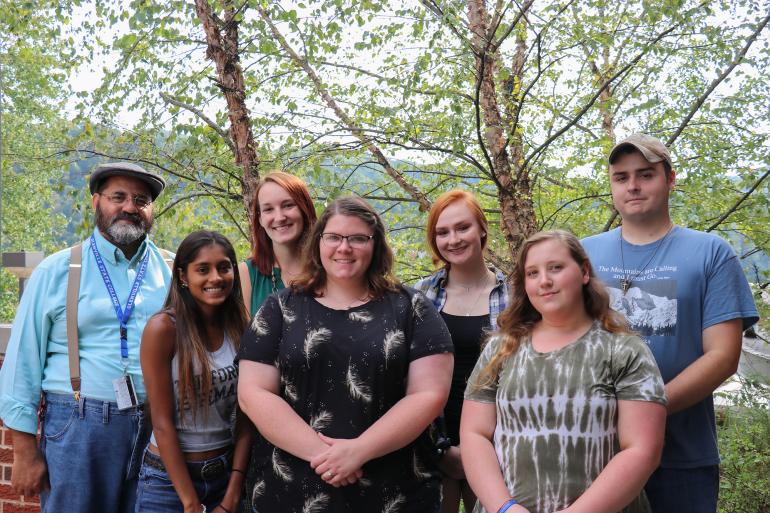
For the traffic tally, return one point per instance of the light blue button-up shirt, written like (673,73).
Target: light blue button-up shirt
(36,358)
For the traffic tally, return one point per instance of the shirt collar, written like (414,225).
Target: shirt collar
(441,277)
(112,254)
(443,273)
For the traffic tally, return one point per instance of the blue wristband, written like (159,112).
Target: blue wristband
(507,505)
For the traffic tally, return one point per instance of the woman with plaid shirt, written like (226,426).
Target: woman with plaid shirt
(469,294)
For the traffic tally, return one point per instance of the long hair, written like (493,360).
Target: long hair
(438,207)
(262,247)
(190,346)
(379,275)
(518,320)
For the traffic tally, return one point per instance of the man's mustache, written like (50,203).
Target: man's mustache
(134,218)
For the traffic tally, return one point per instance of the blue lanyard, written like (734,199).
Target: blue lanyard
(122,315)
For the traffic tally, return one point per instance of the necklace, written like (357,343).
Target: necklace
(628,280)
(350,305)
(481,285)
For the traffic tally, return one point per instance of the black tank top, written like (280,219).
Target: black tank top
(467,334)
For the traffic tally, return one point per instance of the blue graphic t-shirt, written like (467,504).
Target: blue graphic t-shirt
(689,283)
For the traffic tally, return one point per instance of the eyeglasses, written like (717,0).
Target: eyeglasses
(355,241)
(120,198)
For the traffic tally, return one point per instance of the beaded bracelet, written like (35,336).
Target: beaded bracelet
(507,505)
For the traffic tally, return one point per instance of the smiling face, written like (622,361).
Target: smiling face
(640,190)
(209,277)
(459,236)
(122,222)
(279,215)
(344,263)
(554,281)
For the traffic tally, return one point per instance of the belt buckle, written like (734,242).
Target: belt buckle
(213,469)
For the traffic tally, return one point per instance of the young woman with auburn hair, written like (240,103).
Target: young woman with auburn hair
(196,458)
(469,293)
(342,373)
(565,409)
(284,214)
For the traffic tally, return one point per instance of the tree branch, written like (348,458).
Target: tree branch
(342,115)
(702,98)
(740,200)
(597,94)
(218,129)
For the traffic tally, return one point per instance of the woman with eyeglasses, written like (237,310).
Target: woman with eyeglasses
(283,216)
(342,373)
(470,294)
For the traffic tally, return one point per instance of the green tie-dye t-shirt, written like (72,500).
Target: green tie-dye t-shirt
(557,413)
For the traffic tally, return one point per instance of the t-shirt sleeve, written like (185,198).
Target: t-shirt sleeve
(636,374)
(488,392)
(728,295)
(261,340)
(429,334)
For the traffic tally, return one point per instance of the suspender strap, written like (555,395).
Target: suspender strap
(243,271)
(168,259)
(73,291)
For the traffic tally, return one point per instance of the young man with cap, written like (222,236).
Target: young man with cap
(91,437)
(686,293)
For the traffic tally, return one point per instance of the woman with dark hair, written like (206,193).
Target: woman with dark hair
(283,216)
(342,373)
(565,410)
(187,355)
(470,294)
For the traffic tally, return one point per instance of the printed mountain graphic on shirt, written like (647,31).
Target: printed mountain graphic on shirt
(648,307)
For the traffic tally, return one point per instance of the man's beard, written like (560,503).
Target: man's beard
(122,234)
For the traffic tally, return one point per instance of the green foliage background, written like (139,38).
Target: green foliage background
(403,71)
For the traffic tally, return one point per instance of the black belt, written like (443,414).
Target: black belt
(208,470)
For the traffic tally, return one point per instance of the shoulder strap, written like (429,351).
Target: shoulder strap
(167,258)
(73,291)
(243,270)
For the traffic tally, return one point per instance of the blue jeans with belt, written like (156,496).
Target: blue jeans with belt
(156,493)
(93,452)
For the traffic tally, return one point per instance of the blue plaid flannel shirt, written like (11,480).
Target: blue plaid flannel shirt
(434,288)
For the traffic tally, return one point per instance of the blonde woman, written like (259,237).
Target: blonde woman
(565,410)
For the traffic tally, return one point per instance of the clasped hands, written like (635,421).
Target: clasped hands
(340,463)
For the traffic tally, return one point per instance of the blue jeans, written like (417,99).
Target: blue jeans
(684,490)
(93,452)
(156,493)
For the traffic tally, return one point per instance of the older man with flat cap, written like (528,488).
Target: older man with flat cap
(686,293)
(75,341)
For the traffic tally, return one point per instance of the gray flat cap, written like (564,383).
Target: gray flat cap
(129,169)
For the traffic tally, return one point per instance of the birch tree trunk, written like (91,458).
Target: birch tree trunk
(510,171)
(222,49)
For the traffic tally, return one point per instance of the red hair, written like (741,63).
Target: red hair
(438,207)
(262,247)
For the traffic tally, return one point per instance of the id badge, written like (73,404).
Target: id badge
(124,392)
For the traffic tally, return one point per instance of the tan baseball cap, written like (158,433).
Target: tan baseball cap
(651,148)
